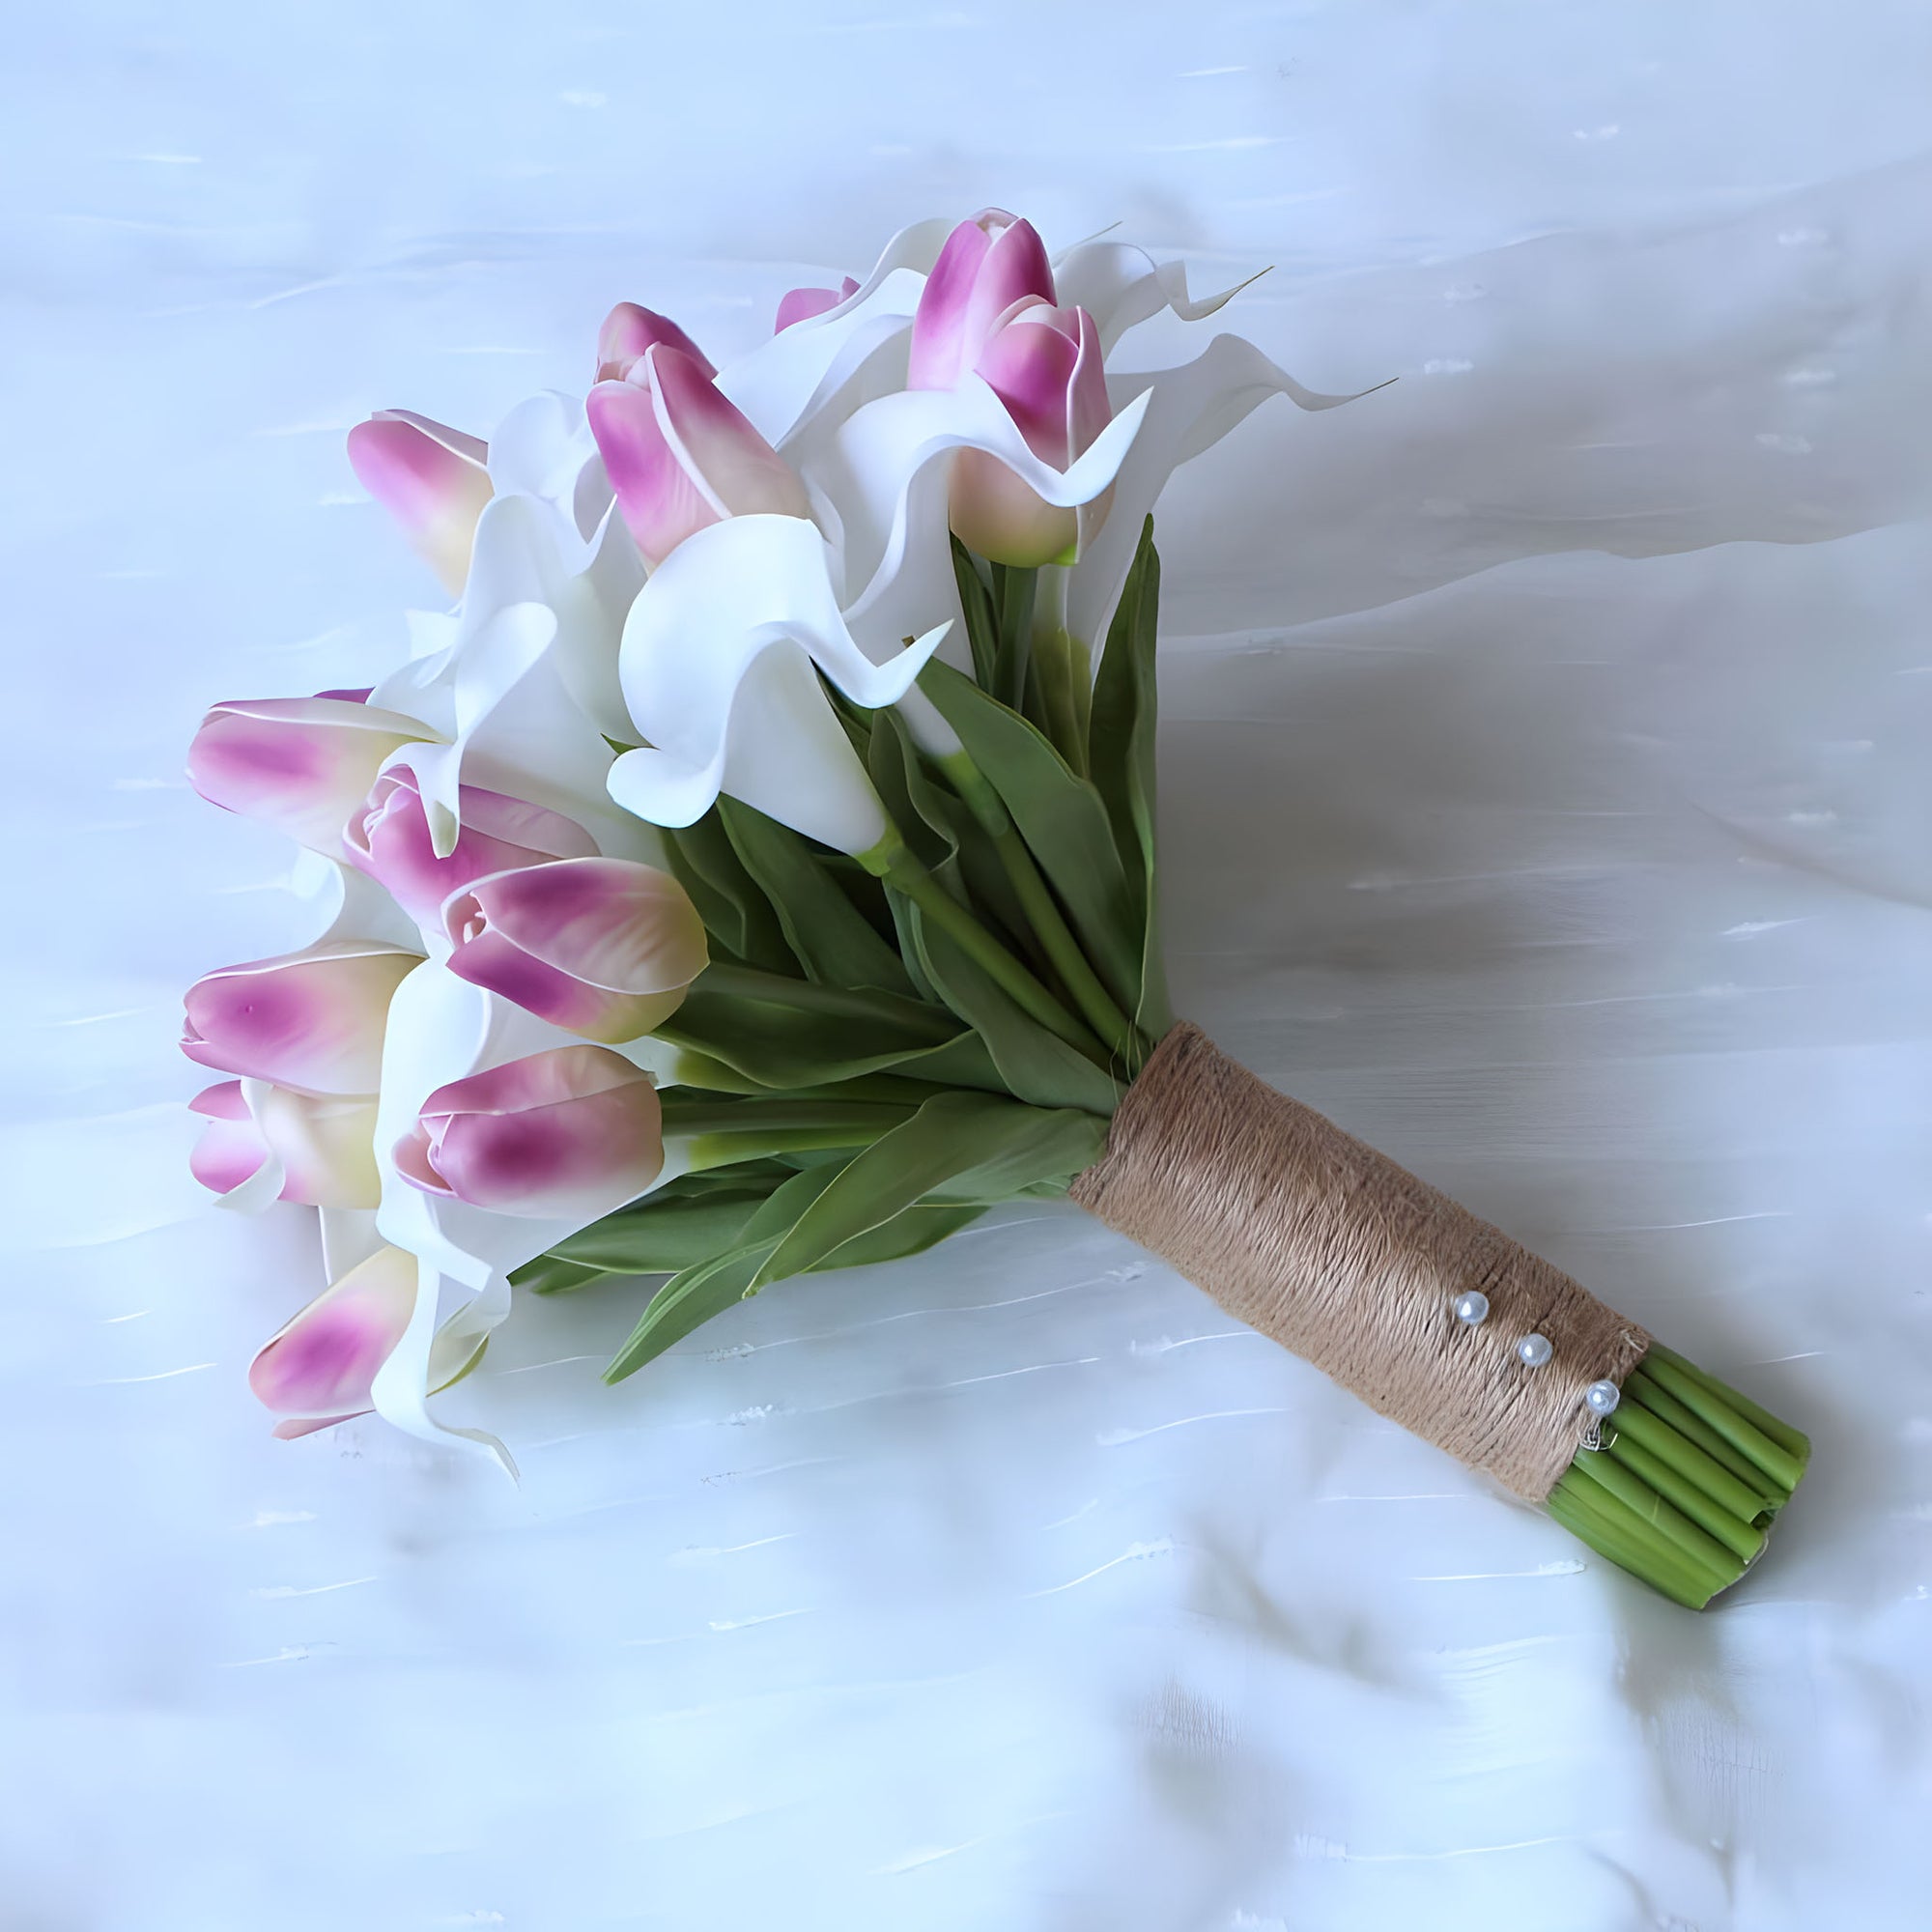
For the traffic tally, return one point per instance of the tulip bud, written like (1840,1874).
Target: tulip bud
(988,265)
(802,304)
(326,1148)
(628,330)
(312,1021)
(322,1366)
(431,478)
(301,764)
(681,456)
(602,947)
(570,1134)
(1044,364)
(389,839)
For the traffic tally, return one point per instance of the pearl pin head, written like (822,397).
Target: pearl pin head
(1533,1350)
(1602,1397)
(1473,1307)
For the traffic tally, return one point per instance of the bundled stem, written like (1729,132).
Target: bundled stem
(1687,1480)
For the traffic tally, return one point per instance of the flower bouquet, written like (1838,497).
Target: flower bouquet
(754,875)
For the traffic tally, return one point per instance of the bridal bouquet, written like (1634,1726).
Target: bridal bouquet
(755,874)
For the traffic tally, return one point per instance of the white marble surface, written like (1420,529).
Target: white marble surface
(1547,771)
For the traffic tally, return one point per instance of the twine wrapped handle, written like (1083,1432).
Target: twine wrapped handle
(1329,1248)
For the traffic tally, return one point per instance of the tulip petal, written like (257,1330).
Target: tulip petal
(798,306)
(231,1147)
(736,469)
(310,1020)
(988,265)
(432,479)
(301,764)
(321,1365)
(661,500)
(628,330)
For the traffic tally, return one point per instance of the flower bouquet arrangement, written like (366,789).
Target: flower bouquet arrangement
(753,873)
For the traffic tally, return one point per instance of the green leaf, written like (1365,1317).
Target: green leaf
(781,1034)
(660,1236)
(974,1147)
(1120,758)
(549,1275)
(1014,588)
(736,914)
(910,1232)
(831,938)
(1063,820)
(1032,1063)
(694,1295)
(982,624)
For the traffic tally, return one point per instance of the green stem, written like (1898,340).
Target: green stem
(1063,672)
(1012,597)
(1042,910)
(749,983)
(893,861)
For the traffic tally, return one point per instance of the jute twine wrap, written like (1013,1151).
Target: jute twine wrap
(1334,1251)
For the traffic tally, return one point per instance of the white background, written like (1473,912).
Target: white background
(1548,768)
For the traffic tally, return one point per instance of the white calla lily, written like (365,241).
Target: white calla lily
(717,667)
(1120,285)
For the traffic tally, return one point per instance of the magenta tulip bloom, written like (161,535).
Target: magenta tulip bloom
(681,456)
(312,1021)
(802,304)
(301,764)
(988,265)
(389,839)
(601,947)
(1044,364)
(320,1367)
(628,330)
(567,1135)
(431,478)
(325,1148)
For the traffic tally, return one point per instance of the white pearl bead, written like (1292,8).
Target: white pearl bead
(1533,1350)
(1602,1397)
(1473,1307)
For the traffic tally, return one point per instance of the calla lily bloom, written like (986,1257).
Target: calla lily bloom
(312,1020)
(988,265)
(301,764)
(1044,364)
(390,841)
(628,330)
(601,947)
(324,1149)
(319,1368)
(802,304)
(569,1134)
(431,478)
(681,456)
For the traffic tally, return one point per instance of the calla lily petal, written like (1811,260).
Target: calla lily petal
(1120,285)
(323,1149)
(434,480)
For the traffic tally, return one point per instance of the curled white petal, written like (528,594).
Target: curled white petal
(1120,285)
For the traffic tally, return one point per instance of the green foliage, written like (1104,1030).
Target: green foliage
(872,1060)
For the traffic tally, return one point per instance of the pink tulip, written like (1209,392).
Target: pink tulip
(301,764)
(567,1135)
(325,1148)
(312,1021)
(389,839)
(431,478)
(1044,364)
(988,265)
(802,304)
(628,330)
(681,456)
(320,1367)
(602,947)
